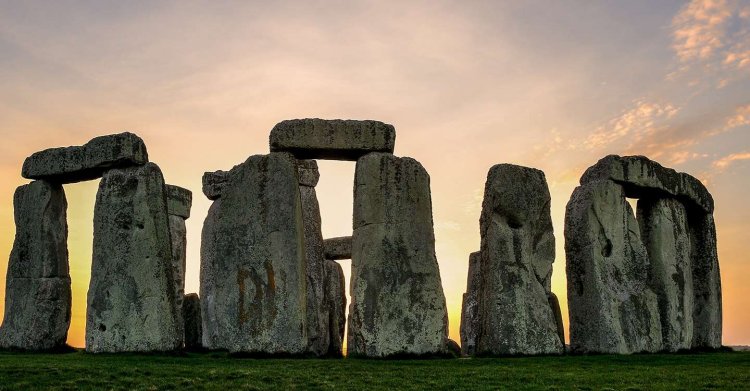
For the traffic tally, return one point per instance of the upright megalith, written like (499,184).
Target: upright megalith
(517,252)
(317,307)
(678,263)
(612,308)
(131,297)
(253,267)
(179,201)
(90,161)
(336,301)
(664,229)
(37,294)
(191,313)
(470,306)
(314,138)
(398,306)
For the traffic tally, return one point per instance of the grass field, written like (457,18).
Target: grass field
(218,371)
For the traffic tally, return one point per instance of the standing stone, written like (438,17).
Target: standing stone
(611,307)
(314,138)
(89,161)
(398,306)
(179,201)
(664,229)
(338,248)
(191,312)
(470,306)
(517,250)
(131,298)
(253,285)
(336,299)
(706,281)
(317,308)
(37,294)
(213,184)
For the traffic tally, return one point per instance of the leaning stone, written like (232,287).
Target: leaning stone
(213,184)
(517,252)
(179,201)
(707,321)
(37,294)
(191,313)
(664,229)
(90,161)
(612,309)
(452,348)
(641,177)
(554,303)
(308,172)
(336,303)
(314,138)
(398,306)
(317,310)
(469,308)
(253,287)
(338,248)
(131,297)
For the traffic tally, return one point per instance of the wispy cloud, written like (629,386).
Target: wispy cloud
(635,123)
(726,161)
(699,29)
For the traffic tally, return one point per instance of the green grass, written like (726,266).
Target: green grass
(78,370)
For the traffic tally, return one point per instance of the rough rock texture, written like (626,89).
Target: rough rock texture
(314,138)
(253,287)
(308,172)
(336,299)
(178,237)
(90,161)
(641,177)
(131,297)
(317,308)
(706,281)
(664,230)
(469,308)
(191,313)
(517,250)
(179,201)
(398,306)
(554,303)
(611,307)
(213,184)
(338,248)
(37,292)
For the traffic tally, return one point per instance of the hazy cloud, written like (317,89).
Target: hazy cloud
(643,119)
(699,28)
(726,161)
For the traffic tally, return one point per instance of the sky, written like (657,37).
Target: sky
(467,84)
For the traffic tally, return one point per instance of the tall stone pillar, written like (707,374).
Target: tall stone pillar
(131,298)
(398,306)
(470,307)
(253,269)
(707,308)
(179,201)
(37,293)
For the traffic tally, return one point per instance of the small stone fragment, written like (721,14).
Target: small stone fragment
(213,184)
(179,201)
(338,248)
(314,138)
(308,172)
(191,313)
(90,161)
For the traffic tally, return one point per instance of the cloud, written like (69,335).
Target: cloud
(636,123)
(699,29)
(726,161)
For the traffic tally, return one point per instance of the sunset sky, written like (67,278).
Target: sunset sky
(468,84)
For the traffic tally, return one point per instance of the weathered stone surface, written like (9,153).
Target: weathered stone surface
(554,303)
(213,184)
(178,237)
(452,348)
(37,292)
(336,303)
(314,138)
(611,307)
(179,201)
(131,297)
(706,281)
(191,313)
(398,306)
(469,308)
(517,250)
(308,172)
(90,161)
(641,177)
(664,230)
(317,308)
(338,248)
(253,287)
